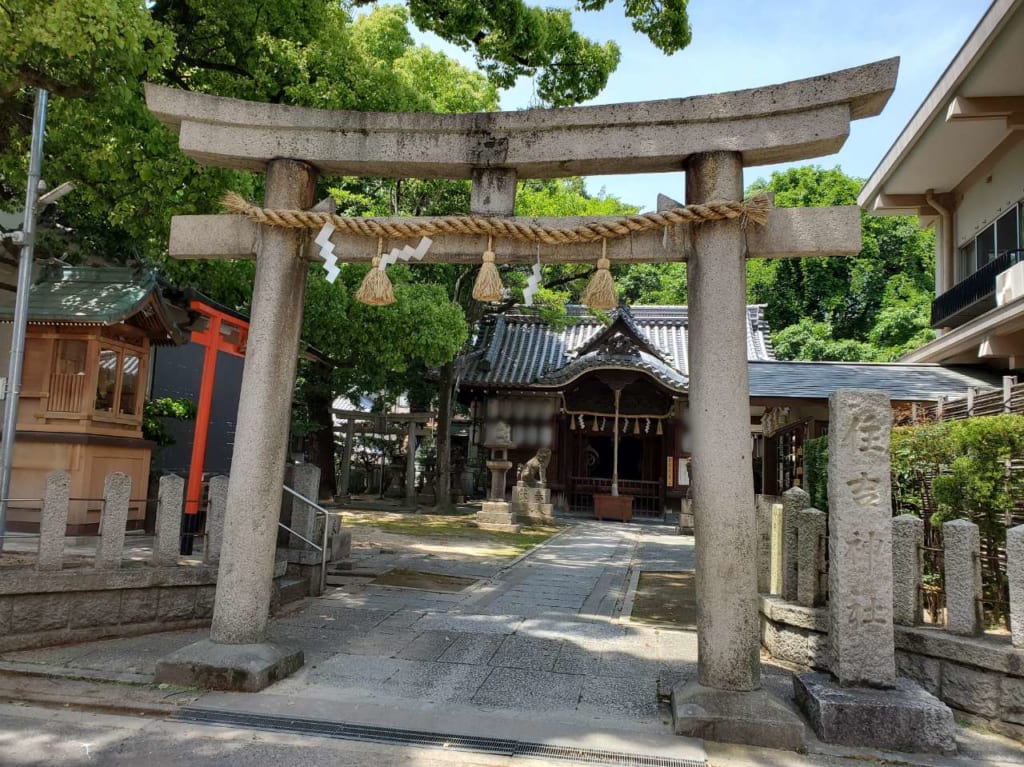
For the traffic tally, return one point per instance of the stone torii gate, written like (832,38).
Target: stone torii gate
(712,138)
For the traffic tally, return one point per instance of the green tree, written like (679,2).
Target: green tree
(131,179)
(874,307)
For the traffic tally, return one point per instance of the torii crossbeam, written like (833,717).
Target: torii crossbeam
(711,138)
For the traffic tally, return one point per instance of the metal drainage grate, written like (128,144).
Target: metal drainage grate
(398,737)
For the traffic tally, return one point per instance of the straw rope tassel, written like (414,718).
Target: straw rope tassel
(376,289)
(600,291)
(488,285)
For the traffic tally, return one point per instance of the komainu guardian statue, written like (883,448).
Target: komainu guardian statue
(534,472)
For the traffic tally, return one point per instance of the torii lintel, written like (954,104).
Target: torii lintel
(788,122)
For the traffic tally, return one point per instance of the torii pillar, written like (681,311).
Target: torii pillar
(237,655)
(711,137)
(725,702)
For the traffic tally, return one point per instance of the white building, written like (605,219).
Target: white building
(959,166)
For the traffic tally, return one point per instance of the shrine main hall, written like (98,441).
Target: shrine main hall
(554,385)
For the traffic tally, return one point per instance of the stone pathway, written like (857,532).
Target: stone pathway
(537,650)
(538,638)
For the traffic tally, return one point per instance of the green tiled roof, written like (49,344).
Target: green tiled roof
(93,296)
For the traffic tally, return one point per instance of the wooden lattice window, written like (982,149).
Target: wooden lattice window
(67,380)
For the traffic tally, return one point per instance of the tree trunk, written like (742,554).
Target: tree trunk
(445,406)
(320,443)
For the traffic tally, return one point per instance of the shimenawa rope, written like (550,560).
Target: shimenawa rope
(754,209)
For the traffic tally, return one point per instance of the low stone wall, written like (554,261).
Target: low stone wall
(80,605)
(982,676)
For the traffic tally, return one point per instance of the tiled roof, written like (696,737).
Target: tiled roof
(520,349)
(98,296)
(902,381)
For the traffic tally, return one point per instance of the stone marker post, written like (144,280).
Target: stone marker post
(218,494)
(863,703)
(776,569)
(907,540)
(170,501)
(1015,575)
(794,501)
(961,559)
(810,524)
(860,539)
(117,492)
(237,655)
(764,544)
(53,522)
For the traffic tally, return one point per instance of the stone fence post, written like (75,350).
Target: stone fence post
(811,527)
(117,492)
(962,568)
(907,540)
(218,494)
(53,522)
(170,501)
(305,481)
(794,500)
(1015,574)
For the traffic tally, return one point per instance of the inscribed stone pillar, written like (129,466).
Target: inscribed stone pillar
(860,539)
(1015,575)
(306,482)
(810,524)
(53,522)
(723,479)
(962,566)
(410,466)
(117,492)
(244,581)
(170,498)
(346,458)
(218,494)
(775,576)
(907,540)
(794,501)
(764,544)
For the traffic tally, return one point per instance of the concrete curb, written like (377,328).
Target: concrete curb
(93,695)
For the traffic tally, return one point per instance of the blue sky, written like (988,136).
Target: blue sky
(746,43)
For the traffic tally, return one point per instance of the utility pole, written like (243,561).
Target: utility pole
(26,239)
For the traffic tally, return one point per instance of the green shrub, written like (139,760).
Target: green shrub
(968,461)
(816,471)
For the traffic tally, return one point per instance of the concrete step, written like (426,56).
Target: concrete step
(293,589)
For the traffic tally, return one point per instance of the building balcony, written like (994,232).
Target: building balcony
(974,295)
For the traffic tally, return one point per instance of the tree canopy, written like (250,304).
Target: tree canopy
(874,307)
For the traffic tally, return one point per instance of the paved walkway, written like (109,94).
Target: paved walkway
(536,650)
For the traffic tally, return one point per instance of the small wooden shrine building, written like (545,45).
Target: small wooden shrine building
(86,372)
(564,387)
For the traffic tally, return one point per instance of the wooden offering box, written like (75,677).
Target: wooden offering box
(618,507)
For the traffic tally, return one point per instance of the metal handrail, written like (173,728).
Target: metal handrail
(317,508)
(973,288)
